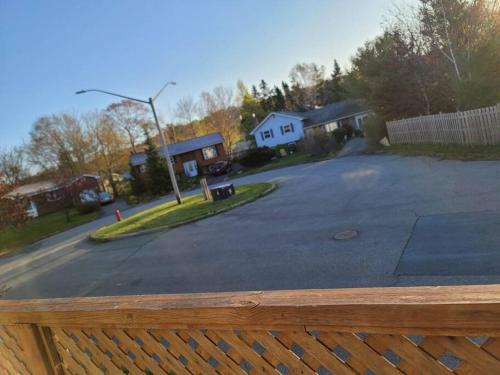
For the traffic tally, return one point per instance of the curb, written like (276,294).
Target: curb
(167,227)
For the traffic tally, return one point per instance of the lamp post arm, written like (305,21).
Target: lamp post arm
(161,90)
(113,94)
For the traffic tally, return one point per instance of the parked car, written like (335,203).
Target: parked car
(105,197)
(219,168)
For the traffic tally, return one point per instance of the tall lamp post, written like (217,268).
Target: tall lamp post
(150,102)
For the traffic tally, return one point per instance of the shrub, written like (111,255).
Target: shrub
(13,212)
(87,207)
(349,130)
(257,157)
(375,129)
(318,143)
(188,183)
(339,135)
(358,133)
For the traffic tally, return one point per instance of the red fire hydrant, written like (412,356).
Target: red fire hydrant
(118,215)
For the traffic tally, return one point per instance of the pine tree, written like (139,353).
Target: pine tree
(335,87)
(137,183)
(279,103)
(289,101)
(255,92)
(156,169)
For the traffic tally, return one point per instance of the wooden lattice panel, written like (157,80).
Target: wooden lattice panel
(12,356)
(135,351)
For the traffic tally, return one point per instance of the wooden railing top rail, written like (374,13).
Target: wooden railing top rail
(449,310)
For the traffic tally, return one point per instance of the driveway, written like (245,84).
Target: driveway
(420,221)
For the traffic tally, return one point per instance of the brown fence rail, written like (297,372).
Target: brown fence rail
(479,126)
(421,330)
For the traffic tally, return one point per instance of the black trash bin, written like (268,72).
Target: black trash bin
(222,192)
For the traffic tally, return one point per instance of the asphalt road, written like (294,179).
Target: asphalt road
(420,221)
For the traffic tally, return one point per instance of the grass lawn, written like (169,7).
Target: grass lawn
(41,227)
(282,162)
(171,214)
(450,151)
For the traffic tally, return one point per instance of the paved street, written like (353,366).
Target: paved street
(420,221)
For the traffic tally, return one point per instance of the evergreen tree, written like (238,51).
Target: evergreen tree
(255,92)
(156,169)
(279,102)
(264,89)
(137,183)
(289,101)
(337,91)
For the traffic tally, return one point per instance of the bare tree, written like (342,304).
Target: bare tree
(221,114)
(132,118)
(12,166)
(59,142)
(186,111)
(307,78)
(109,145)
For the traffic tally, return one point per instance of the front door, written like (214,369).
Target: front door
(191,168)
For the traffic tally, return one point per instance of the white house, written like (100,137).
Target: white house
(288,127)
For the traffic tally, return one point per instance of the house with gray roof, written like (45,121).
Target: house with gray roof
(189,158)
(288,127)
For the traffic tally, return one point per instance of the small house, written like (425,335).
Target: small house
(189,158)
(54,195)
(288,127)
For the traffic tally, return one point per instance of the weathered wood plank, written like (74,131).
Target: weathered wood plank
(473,310)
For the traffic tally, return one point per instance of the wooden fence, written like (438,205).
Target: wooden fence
(420,330)
(479,126)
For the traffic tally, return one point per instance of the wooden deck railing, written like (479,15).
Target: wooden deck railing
(422,330)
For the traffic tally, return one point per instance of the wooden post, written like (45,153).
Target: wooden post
(34,350)
(53,357)
(204,189)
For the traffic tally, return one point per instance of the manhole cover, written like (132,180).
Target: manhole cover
(346,235)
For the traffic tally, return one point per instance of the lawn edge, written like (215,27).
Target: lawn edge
(44,237)
(92,236)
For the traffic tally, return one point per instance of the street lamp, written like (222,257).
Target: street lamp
(151,101)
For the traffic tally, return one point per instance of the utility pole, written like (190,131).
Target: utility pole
(164,146)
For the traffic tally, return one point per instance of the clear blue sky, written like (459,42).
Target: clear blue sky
(49,49)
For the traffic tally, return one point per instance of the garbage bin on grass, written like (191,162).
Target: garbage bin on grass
(222,192)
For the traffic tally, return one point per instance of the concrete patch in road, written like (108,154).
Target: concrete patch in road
(453,244)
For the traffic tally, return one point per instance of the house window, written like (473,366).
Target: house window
(267,134)
(53,196)
(209,152)
(287,129)
(331,126)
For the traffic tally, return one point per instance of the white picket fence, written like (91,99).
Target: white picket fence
(478,126)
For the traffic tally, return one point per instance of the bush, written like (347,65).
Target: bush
(87,207)
(257,157)
(358,133)
(375,129)
(188,183)
(349,130)
(13,212)
(339,135)
(318,143)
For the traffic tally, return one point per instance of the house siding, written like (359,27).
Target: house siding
(274,123)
